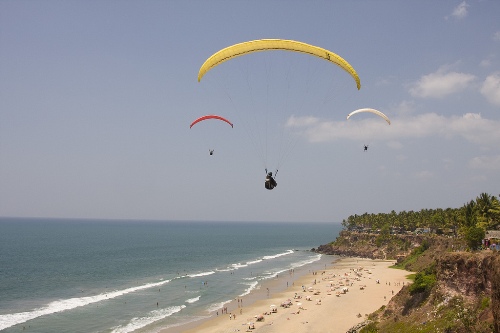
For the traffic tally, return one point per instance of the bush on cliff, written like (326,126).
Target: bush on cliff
(424,281)
(414,255)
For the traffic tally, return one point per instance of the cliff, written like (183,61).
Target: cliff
(453,290)
(354,244)
(464,298)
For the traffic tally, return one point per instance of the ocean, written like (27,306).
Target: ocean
(72,275)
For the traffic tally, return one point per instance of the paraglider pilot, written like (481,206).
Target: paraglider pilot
(366,147)
(270,183)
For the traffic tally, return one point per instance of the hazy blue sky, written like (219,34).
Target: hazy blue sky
(96,98)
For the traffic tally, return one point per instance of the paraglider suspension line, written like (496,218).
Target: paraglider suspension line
(275,173)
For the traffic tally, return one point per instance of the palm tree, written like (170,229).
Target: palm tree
(470,218)
(488,209)
(494,212)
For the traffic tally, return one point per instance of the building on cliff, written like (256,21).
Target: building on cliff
(492,240)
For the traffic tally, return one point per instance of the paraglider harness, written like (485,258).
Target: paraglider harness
(270,183)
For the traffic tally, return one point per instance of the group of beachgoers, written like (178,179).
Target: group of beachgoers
(349,279)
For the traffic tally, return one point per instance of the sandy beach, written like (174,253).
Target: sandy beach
(331,300)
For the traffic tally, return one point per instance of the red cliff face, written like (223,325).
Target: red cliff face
(466,274)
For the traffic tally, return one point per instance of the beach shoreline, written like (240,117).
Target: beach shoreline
(275,285)
(330,308)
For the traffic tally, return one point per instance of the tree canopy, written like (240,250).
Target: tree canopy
(482,212)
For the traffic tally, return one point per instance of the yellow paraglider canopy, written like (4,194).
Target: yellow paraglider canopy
(275,44)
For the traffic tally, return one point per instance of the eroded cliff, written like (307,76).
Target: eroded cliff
(453,290)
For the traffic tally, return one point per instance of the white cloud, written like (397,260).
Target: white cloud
(485,163)
(491,88)
(316,130)
(447,163)
(385,81)
(422,175)
(460,11)
(440,84)
(485,63)
(479,178)
(404,108)
(496,36)
(401,158)
(475,129)
(419,126)
(488,61)
(395,144)
(301,121)
(471,126)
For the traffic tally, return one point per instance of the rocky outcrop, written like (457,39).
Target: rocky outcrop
(357,328)
(354,244)
(495,292)
(472,276)
(465,274)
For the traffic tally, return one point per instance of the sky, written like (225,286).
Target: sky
(96,98)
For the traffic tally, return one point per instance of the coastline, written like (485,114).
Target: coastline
(328,310)
(275,285)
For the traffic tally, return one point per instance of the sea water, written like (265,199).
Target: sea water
(66,275)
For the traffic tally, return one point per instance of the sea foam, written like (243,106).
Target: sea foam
(277,255)
(192,300)
(151,317)
(201,274)
(9,320)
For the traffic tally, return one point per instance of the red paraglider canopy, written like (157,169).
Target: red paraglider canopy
(211,116)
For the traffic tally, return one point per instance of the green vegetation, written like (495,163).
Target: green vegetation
(370,328)
(411,276)
(473,236)
(424,280)
(413,256)
(466,316)
(405,327)
(424,306)
(454,315)
(485,303)
(469,221)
